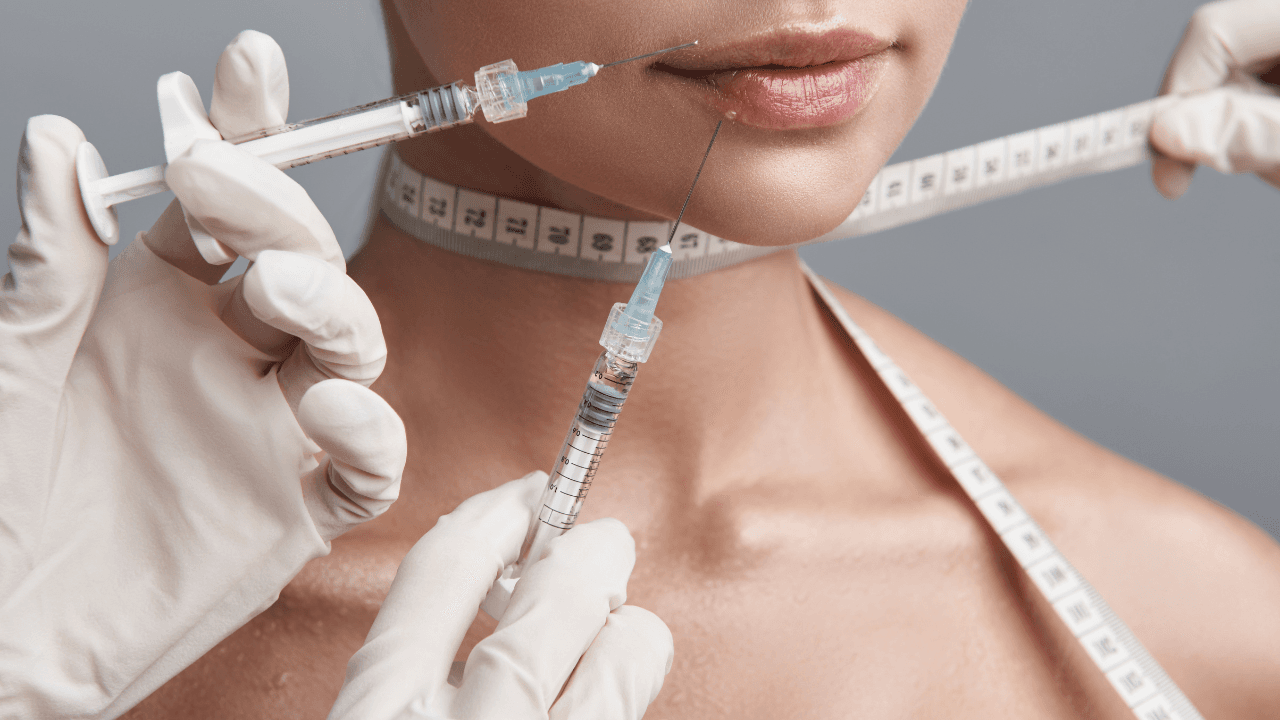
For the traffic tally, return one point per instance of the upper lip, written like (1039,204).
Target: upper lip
(790,47)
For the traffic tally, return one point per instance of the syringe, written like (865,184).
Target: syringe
(628,338)
(501,91)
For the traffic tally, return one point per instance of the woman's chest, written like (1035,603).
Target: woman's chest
(813,627)
(853,633)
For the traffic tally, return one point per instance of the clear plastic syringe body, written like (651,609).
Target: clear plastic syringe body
(584,446)
(628,338)
(363,127)
(502,92)
(295,144)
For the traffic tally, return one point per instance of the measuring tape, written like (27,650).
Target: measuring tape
(1139,679)
(551,240)
(515,233)
(917,189)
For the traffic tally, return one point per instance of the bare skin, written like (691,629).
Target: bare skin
(826,566)
(810,556)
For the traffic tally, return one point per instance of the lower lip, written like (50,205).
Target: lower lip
(803,97)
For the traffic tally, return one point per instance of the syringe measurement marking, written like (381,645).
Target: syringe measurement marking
(583,484)
(594,423)
(559,486)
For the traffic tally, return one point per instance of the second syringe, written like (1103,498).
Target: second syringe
(502,91)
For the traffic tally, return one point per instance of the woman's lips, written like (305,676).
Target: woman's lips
(788,80)
(786,98)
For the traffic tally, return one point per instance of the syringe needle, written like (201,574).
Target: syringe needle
(641,57)
(694,183)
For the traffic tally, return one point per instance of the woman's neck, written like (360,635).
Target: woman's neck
(748,385)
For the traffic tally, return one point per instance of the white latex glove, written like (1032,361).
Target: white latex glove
(565,618)
(1228,119)
(172,451)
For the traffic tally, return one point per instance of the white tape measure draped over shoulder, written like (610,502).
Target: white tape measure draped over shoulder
(514,233)
(1135,675)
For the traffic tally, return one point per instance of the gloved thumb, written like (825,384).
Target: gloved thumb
(1231,129)
(57,263)
(365,446)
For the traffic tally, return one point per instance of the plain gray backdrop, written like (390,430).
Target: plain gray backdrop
(1148,326)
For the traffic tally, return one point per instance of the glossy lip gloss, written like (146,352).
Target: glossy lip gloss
(788,80)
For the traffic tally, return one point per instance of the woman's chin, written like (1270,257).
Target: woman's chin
(767,234)
(774,221)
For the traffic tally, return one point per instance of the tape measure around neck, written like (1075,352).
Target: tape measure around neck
(544,239)
(1144,686)
(547,239)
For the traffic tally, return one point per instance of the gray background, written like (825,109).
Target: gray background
(1148,326)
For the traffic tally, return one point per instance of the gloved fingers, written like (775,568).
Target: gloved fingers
(250,205)
(250,86)
(57,263)
(435,597)
(324,308)
(250,93)
(622,672)
(365,446)
(169,239)
(1223,39)
(557,610)
(1229,129)
(1171,177)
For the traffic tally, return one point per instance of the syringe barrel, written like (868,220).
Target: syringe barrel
(607,389)
(364,127)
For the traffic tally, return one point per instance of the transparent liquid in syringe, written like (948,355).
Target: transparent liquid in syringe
(607,390)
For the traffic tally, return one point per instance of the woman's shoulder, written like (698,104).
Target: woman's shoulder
(1198,584)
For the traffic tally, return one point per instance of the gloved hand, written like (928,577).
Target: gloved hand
(567,611)
(1228,118)
(172,451)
